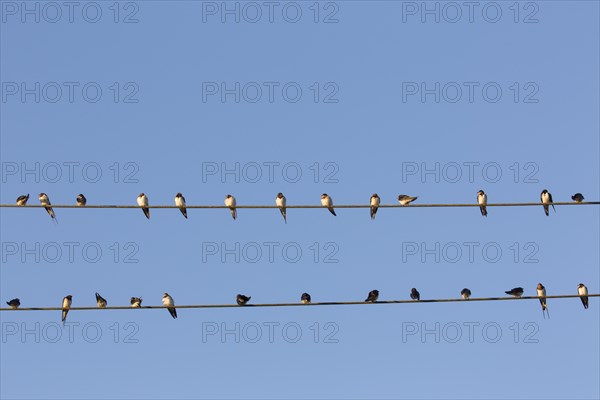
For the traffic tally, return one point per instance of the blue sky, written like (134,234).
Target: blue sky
(147,113)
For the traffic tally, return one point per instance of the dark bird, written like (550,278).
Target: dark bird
(582,291)
(546,199)
(541,292)
(414,294)
(305,298)
(136,302)
(231,203)
(374,205)
(22,200)
(577,198)
(372,297)
(517,292)
(180,202)
(45,201)
(81,200)
(66,304)
(101,301)
(14,303)
(465,293)
(168,302)
(142,201)
(242,300)
(280,202)
(482,201)
(327,202)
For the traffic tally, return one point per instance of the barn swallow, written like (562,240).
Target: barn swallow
(14,303)
(405,200)
(231,203)
(45,201)
(168,302)
(81,200)
(327,202)
(180,202)
(101,301)
(517,292)
(577,198)
(414,294)
(22,200)
(374,205)
(305,298)
(482,201)
(372,297)
(280,202)
(136,302)
(66,304)
(546,198)
(142,201)
(465,293)
(242,300)
(581,290)
(541,292)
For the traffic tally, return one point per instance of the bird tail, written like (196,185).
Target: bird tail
(282,210)
(331,210)
(234,213)
(483,211)
(183,211)
(147,212)
(547,210)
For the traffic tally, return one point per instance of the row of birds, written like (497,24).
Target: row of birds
(305,298)
(281,202)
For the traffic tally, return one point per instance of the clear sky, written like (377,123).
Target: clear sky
(211,98)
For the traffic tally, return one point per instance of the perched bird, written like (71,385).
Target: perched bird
(541,292)
(142,201)
(81,200)
(517,292)
(305,298)
(242,300)
(482,201)
(374,205)
(372,297)
(101,301)
(280,202)
(546,198)
(180,202)
(66,304)
(581,290)
(168,302)
(327,202)
(231,203)
(14,303)
(136,302)
(45,201)
(22,200)
(577,198)
(405,200)
(414,294)
(465,293)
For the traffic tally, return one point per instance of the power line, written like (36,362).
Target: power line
(587,203)
(332,303)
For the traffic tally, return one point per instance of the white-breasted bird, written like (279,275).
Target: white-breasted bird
(100,301)
(372,296)
(405,200)
(45,201)
(14,303)
(465,294)
(375,201)
(546,199)
(327,202)
(22,200)
(305,298)
(583,292)
(231,203)
(168,302)
(66,304)
(541,292)
(242,299)
(180,202)
(142,201)
(136,302)
(281,203)
(482,201)
(577,198)
(81,200)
